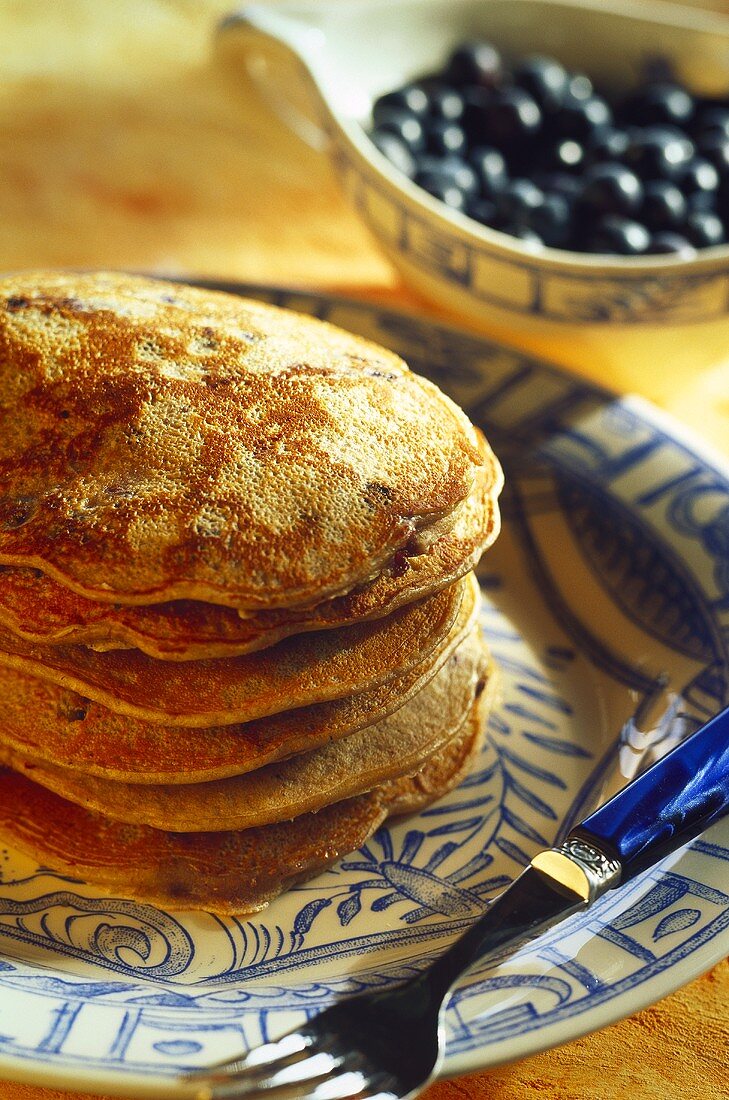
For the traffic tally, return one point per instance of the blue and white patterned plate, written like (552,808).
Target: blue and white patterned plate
(613,568)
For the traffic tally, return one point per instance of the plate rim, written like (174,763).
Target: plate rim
(126,1083)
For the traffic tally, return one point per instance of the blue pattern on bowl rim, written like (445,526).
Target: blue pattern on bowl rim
(612,568)
(520,285)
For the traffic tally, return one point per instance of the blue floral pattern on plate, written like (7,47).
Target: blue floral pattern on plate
(610,572)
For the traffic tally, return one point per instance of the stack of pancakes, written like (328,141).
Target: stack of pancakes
(238,619)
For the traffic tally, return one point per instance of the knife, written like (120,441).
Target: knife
(677,798)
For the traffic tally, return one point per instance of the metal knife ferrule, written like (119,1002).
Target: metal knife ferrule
(580,867)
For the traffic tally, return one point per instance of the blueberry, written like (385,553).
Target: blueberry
(463,174)
(609,143)
(490,167)
(552,220)
(611,189)
(473,120)
(580,119)
(566,156)
(510,119)
(560,183)
(475,63)
(396,152)
(580,87)
(404,125)
(664,205)
(526,234)
(620,236)
(708,201)
(411,97)
(428,162)
(540,156)
(715,148)
(658,152)
(545,79)
(450,171)
(445,138)
(699,175)
(704,229)
(483,211)
(667,243)
(443,188)
(445,103)
(518,199)
(657,104)
(712,121)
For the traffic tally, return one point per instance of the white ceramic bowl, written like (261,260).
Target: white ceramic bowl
(323,62)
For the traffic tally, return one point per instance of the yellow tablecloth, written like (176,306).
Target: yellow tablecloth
(121,146)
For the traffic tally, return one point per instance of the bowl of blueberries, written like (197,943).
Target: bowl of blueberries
(537,164)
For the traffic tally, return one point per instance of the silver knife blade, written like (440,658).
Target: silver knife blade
(557,883)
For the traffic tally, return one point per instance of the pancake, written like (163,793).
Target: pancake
(43,723)
(233,452)
(398,745)
(309,668)
(226,873)
(39,609)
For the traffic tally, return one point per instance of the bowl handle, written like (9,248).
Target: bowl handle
(274,49)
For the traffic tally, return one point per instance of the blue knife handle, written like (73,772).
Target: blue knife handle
(674,801)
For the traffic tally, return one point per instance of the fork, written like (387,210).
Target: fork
(390,1044)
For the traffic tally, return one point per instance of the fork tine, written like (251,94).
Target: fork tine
(309,1076)
(289,1047)
(377,1087)
(373,1084)
(241,1080)
(304,1070)
(348,1084)
(342,1086)
(298,1051)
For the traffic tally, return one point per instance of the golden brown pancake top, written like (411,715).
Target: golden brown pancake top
(38,608)
(159,442)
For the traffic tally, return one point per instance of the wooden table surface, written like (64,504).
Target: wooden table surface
(122,146)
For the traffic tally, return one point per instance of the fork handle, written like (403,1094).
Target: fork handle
(671,803)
